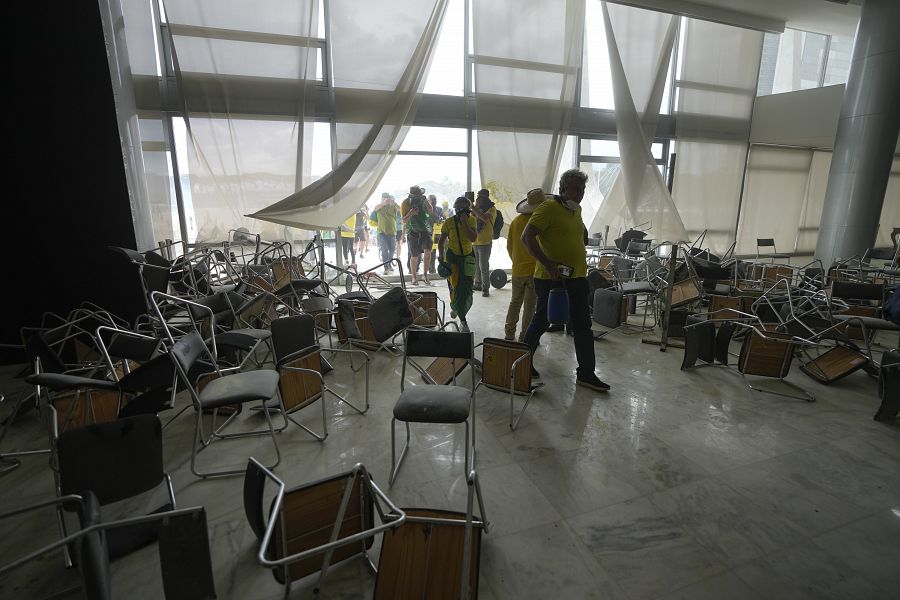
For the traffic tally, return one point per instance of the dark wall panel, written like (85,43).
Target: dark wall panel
(67,198)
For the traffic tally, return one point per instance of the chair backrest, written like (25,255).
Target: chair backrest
(36,347)
(447,344)
(889,386)
(723,341)
(346,317)
(765,243)
(497,360)
(186,351)
(424,557)
(292,334)
(699,341)
(184,557)
(623,268)
(437,344)
(390,314)
(114,460)
(849,290)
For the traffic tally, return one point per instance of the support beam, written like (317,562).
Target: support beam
(866,137)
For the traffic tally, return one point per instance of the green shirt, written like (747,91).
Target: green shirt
(420,221)
(387,218)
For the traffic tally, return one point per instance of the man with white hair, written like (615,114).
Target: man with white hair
(555,237)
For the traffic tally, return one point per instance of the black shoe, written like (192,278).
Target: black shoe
(555,327)
(477,287)
(593,382)
(486,293)
(535,374)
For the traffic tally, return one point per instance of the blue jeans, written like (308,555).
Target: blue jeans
(579,317)
(387,245)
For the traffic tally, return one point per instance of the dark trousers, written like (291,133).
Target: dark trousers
(579,317)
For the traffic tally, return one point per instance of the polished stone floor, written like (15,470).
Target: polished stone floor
(673,485)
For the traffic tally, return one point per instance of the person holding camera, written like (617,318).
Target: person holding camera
(457,261)
(417,212)
(555,237)
(484,211)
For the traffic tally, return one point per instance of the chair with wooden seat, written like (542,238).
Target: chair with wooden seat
(770,354)
(434,554)
(333,517)
(506,367)
(449,404)
(301,366)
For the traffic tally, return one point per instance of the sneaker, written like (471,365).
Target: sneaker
(464,327)
(486,293)
(509,338)
(452,314)
(555,327)
(593,382)
(534,373)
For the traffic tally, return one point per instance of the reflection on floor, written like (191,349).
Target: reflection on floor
(673,485)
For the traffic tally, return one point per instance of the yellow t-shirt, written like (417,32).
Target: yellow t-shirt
(561,237)
(486,235)
(449,227)
(349,228)
(522,260)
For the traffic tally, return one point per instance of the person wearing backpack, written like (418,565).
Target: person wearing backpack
(486,215)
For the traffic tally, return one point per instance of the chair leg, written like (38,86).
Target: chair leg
(800,395)
(200,445)
(395,464)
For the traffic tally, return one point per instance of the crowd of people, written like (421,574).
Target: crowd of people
(546,242)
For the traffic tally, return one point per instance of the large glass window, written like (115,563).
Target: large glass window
(800,60)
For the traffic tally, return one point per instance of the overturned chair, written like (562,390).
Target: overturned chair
(183,544)
(425,553)
(506,367)
(301,367)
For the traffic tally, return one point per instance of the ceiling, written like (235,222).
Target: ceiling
(834,17)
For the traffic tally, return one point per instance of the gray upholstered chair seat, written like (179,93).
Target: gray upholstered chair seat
(433,404)
(637,287)
(245,387)
(870,322)
(722,289)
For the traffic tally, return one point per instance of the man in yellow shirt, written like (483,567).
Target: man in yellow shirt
(455,250)
(555,237)
(523,264)
(348,237)
(486,214)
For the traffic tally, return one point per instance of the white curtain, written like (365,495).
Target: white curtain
(715,90)
(774,196)
(527,55)
(236,59)
(814,200)
(232,60)
(640,46)
(706,189)
(890,211)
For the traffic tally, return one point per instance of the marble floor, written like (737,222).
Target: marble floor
(673,485)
